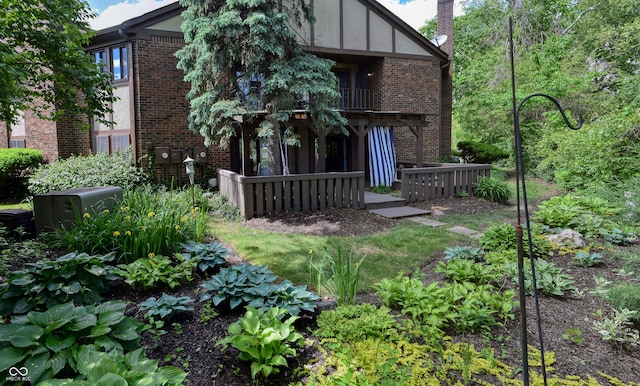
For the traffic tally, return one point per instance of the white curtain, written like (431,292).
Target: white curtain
(382,156)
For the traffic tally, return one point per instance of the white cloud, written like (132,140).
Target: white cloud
(413,12)
(117,13)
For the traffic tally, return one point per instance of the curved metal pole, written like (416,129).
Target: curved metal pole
(521,173)
(520,176)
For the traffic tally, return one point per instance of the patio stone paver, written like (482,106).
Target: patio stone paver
(463,231)
(426,221)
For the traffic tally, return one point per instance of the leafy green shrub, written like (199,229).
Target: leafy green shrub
(482,153)
(75,277)
(583,213)
(155,270)
(626,295)
(550,279)
(166,306)
(113,368)
(14,162)
(49,343)
(87,171)
(15,167)
(148,220)
(492,189)
(464,252)
(263,339)
(357,322)
(208,256)
(502,237)
(598,155)
(467,271)
(253,285)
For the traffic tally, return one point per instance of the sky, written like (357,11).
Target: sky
(113,12)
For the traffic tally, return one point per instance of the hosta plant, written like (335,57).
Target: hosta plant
(618,329)
(255,286)
(48,343)
(74,277)
(236,284)
(467,270)
(96,367)
(550,279)
(154,270)
(284,295)
(619,236)
(464,252)
(209,257)
(166,306)
(263,339)
(588,259)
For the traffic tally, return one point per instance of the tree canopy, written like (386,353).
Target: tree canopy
(241,57)
(583,53)
(43,63)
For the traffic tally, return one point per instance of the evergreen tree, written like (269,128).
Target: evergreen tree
(242,57)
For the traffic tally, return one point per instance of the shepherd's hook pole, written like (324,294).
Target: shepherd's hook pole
(520,184)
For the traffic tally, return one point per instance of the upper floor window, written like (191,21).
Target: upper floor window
(113,60)
(119,63)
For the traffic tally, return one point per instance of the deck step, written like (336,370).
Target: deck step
(381,201)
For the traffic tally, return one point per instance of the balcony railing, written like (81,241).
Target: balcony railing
(351,99)
(358,99)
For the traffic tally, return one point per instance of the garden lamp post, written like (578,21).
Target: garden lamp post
(191,171)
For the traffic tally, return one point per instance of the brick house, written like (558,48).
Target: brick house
(390,76)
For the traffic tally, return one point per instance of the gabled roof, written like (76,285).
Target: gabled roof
(131,28)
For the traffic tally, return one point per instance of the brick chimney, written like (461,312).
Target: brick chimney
(445,24)
(445,27)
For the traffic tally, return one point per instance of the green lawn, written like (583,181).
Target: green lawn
(400,249)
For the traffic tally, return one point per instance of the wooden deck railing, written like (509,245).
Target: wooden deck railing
(255,196)
(441,180)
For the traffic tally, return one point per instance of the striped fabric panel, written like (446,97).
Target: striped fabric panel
(382,156)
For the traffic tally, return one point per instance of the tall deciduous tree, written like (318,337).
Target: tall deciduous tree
(43,63)
(584,53)
(243,56)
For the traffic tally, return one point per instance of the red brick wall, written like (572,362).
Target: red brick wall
(161,108)
(74,137)
(413,86)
